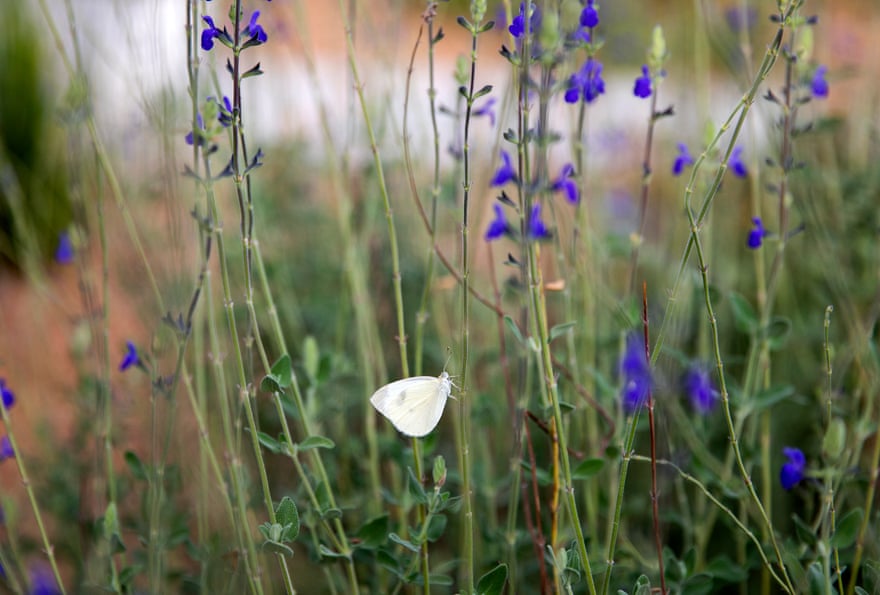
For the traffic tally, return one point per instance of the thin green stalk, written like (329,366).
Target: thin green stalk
(540,307)
(422,314)
(627,455)
(742,109)
(464,400)
(713,323)
(48,548)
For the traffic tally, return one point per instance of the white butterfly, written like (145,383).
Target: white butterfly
(414,405)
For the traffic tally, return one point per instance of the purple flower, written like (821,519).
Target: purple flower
(636,374)
(209,34)
(642,87)
(254,31)
(131,357)
(197,135)
(8,395)
(537,229)
(698,386)
(505,173)
(738,19)
(487,109)
(819,85)
(582,35)
(6,450)
(64,251)
(517,26)
(224,113)
(499,226)
(565,183)
(682,160)
(757,234)
(589,15)
(586,83)
(43,581)
(737,164)
(792,472)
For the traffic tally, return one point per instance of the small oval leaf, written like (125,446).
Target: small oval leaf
(492,583)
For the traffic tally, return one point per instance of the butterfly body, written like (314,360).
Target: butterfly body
(414,405)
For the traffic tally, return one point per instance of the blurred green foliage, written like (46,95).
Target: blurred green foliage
(35,203)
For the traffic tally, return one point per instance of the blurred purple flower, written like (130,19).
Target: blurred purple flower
(819,85)
(8,395)
(43,581)
(738,19)
(699,388)
(582,35)
(636,374)
(224,113)
(64,251)
(682,160)
(197,135)
(757,233)
(565,183)
(487,109)
(737,164)
(642,87)
(517,26)
(586,84)
(589,15)
(131,357)
(6,450)
(537,228)
(499,226)
(505,173)
(792,472)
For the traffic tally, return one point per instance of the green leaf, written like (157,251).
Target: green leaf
(269,443)
(514,329)
(847,529)
(315,442)
(492,583)
(288,516)
(331,514)
(372,534)
(282,370)
(587,469)
(835,439)
(415,487)
(560,329)
(111,521)
(401,541)
(436,527)
(804,531)
(725,569)
(778,332)
(438,473)
(698,584)
(276,547)
(743,313)
(643,586)
(326,552)
(311,358)
(135,465)
(484,91)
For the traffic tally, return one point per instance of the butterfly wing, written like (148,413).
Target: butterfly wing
(413,405)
